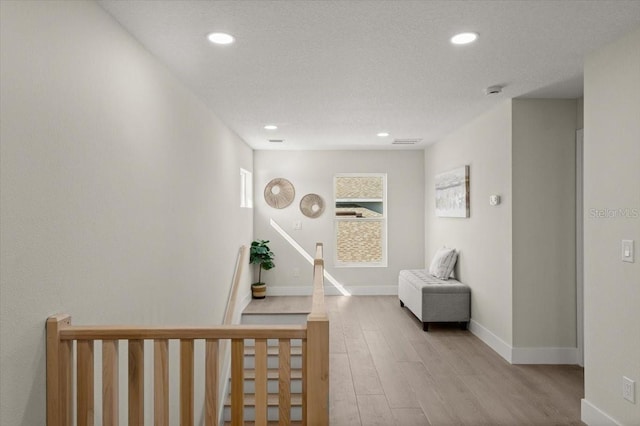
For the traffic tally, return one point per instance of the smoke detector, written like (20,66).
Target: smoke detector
(493,90)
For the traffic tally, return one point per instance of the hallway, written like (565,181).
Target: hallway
(386,371)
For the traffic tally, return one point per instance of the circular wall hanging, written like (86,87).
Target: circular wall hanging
(279,193)
(312,205)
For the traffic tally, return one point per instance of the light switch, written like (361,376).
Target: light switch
(297,225)
(627,251)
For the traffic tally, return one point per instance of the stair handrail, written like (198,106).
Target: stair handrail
(230,309)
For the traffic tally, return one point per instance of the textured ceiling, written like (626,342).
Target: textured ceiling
(332,74)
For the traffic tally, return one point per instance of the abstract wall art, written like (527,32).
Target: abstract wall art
(452,193)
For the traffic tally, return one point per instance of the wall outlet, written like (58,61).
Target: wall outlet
(629,389)
(296,272)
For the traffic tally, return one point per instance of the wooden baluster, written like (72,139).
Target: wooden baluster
(66,382)
(136,382)
(161,382)
(84,376)
(110,398)
(284,381)
(237,382)
(211,383)
(261,382)
(186,382)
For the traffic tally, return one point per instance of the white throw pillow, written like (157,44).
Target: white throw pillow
(443,262)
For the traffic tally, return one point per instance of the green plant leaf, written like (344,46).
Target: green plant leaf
(260,254)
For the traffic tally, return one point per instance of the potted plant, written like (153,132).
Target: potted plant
(260,254)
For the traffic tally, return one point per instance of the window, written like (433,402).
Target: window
(361,219)
(246,189)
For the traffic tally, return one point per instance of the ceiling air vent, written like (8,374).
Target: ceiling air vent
(406,141)
(276,140)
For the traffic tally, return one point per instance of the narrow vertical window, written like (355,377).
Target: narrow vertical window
(361,219)
(246,189)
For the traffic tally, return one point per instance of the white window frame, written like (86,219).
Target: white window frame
(246,189)
(384,219)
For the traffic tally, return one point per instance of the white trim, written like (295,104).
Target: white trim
(593,416)
(242,305)
(544,356)
(246,189)
(501,347)
(523,355)
(290,291)
(373,290)
(580,245)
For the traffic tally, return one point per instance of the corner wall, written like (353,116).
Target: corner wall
(119,191)
(612,213)
(544,227)
(484,239)
(517,257)
(313,172)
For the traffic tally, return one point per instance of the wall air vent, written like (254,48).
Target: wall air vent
(406,141)
(276,140)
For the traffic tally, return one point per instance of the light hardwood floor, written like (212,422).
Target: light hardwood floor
(386,371)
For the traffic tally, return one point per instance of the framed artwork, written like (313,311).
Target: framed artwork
(452,193)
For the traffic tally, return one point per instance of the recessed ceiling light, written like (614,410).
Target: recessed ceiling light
(221,38)
(464,38)
(383,134)
(271,127)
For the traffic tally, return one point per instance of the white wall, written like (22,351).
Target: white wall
(120,190)
(544,237)
(313,172)
(484,239)
(611,181)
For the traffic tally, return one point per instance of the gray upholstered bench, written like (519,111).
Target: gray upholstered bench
(434,300)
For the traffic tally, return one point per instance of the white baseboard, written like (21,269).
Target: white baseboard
(289,291)
(501,347)
(593,416)
(544,356)
(524,355)
(244,302)
(373,290)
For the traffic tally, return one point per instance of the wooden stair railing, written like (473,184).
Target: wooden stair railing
(61,335)
(315,352)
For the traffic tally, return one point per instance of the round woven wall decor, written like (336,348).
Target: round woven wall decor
(312,205)
(279,193)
